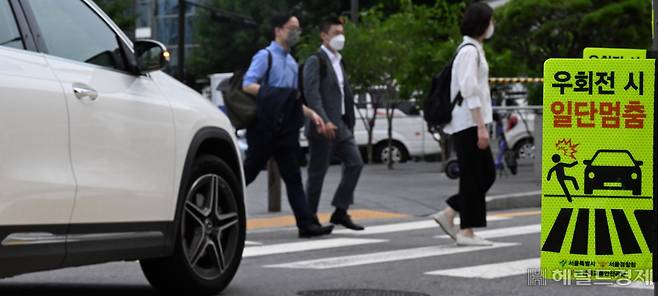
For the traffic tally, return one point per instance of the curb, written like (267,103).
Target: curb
(514,201)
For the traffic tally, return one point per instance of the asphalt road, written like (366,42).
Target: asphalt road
(404,255)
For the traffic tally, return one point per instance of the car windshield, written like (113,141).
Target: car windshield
(620,159)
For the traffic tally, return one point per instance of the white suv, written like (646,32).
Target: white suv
(105,158)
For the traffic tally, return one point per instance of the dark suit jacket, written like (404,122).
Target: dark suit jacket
(323,94)
(278,110)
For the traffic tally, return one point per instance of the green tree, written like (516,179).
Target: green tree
(225,47)
(528,32)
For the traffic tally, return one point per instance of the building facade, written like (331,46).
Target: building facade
(158,20)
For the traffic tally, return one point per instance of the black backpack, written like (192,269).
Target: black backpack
(323,74)
(438,106)
(241,106)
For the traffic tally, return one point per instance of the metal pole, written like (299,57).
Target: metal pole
(654,5)
(354,8)
(182,9)
(654,55)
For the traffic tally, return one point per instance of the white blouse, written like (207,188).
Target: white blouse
(473,82)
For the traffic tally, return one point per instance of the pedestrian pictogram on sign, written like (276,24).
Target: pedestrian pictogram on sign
(561,176)
(597,185)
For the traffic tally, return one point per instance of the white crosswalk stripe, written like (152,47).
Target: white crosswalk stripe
(406,226)
(388,256)
(302,246)
(397,255)
(490,271)
(505,232)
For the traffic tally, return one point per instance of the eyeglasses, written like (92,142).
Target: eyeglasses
(293,28)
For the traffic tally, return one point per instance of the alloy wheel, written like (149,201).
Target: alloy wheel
(210,226)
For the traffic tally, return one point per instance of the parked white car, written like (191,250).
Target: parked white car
(105,158)
(519,124)
(519,132)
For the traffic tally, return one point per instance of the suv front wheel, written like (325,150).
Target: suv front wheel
(210,234)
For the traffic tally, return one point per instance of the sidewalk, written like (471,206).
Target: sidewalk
(411,189)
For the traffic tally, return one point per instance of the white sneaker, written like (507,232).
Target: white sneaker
(463,240)
(444,223)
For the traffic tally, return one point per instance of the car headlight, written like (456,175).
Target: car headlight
(634,176)
(591,175)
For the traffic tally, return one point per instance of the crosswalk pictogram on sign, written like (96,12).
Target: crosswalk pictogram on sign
(602,233)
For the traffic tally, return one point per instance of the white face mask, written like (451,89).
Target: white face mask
(490,31)
(338,42)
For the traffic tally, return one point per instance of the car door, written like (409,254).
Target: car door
(38,187)
(121,125)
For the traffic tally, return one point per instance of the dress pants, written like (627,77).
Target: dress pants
(321,151)
(263,145)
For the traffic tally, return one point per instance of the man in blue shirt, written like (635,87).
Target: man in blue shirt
(276,131)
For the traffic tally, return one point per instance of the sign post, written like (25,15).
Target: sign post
(598,170)
(654,54)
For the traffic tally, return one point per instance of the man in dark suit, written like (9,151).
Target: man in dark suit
(328,93)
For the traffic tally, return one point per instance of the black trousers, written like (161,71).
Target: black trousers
(476,175)
(284,148)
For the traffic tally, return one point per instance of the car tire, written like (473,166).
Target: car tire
(452,169)
(210,233)
(525,149)
(399,152)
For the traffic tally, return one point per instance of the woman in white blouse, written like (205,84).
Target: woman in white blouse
(470,74)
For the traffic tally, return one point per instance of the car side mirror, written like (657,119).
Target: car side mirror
(639,162)
(151,55)
(587,162)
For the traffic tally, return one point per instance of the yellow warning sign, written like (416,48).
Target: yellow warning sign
(597,182)
(614,53)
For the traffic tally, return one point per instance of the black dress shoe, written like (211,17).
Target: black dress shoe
(346,221)
(313,230)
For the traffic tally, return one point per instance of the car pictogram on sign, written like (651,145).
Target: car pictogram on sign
(613,170)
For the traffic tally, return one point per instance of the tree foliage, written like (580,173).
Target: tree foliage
(226,46)
(530,31)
